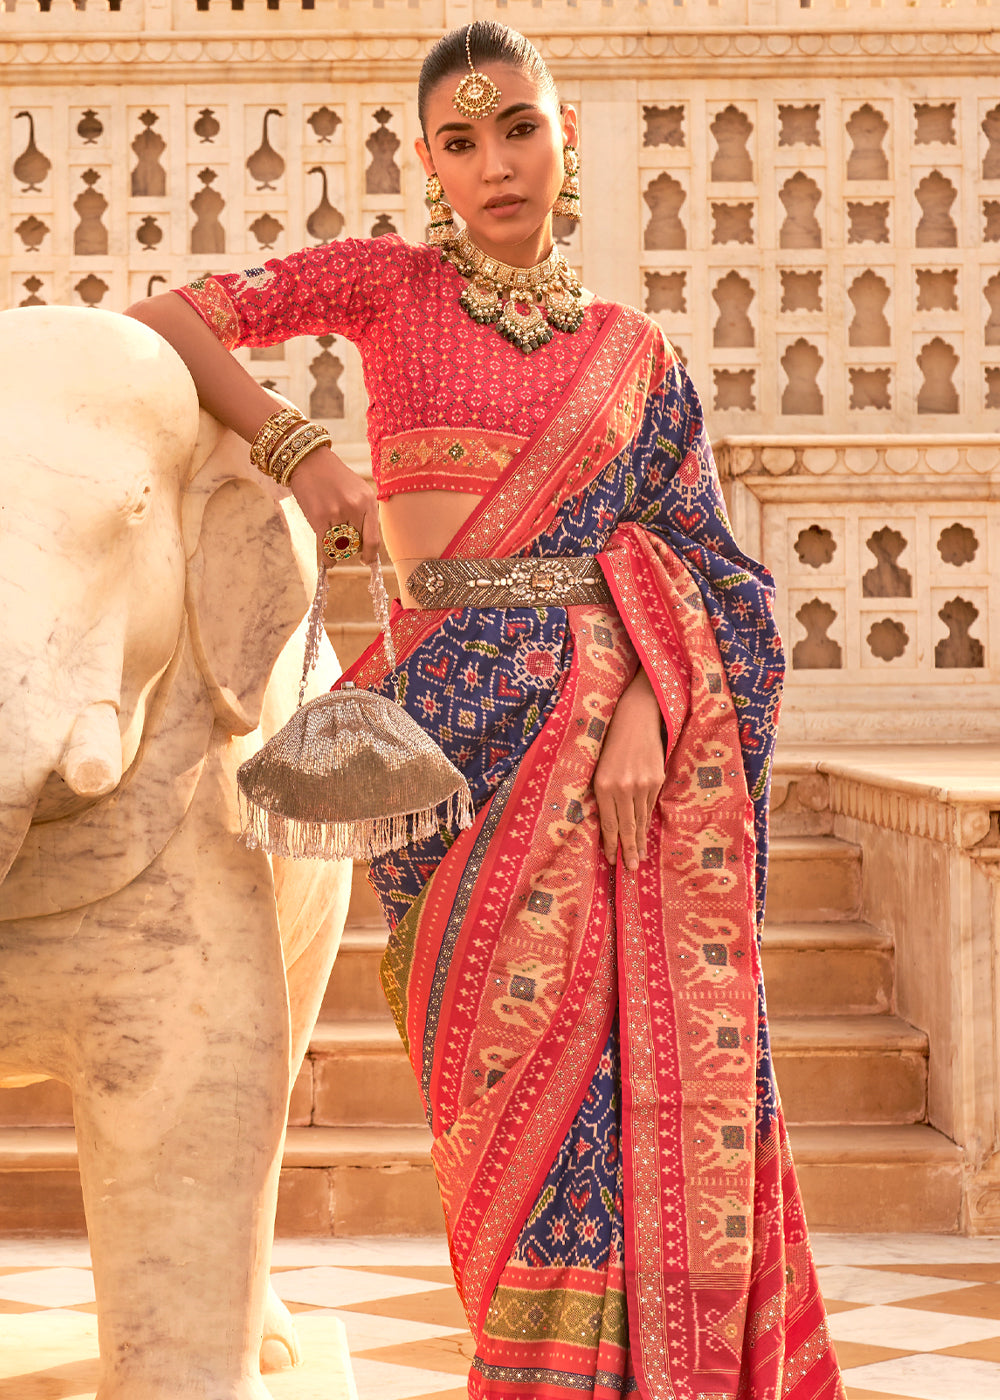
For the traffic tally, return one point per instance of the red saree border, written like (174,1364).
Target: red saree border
(689,975)
(661,650)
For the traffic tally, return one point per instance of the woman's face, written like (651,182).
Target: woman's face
(501,174)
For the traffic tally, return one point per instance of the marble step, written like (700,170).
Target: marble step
(353,992)
(334,1181)
(356,1074)
(364,910)
(47,1104)
(813,878)
(864,1179)
(365,1181)
(850,1069)
(827,968)
(830,1069)
(358,1181)
(811,968)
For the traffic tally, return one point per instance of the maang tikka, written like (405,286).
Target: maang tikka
(476,95)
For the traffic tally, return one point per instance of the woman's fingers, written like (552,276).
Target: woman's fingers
(643,817)
(627,830)
(608,815)
(629,773)
(625,816)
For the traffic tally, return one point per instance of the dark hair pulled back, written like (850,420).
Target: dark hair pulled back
(489,42)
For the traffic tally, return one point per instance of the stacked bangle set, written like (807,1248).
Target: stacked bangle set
(283,441)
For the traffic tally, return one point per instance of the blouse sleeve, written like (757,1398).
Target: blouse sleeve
(334,289)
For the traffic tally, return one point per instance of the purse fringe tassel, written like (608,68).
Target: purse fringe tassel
(348,840)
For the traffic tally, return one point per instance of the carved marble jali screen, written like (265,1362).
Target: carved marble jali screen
(848,239)
(119,194)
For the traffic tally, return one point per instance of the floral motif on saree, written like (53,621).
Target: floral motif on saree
(591,1044)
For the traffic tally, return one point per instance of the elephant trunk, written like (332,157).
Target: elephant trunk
(92,762)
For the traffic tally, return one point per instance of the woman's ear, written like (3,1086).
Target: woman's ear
(570,124)
(424,155)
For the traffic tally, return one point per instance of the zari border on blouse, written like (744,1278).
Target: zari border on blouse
(209,299)
(448,459)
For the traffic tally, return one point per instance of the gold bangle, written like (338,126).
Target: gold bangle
(323,441)
(270,433)
(299,437)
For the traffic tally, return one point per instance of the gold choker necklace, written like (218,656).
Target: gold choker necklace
(497,292)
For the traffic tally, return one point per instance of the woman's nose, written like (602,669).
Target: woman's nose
(496,161)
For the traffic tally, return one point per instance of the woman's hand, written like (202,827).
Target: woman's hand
(329,493)
(629,773)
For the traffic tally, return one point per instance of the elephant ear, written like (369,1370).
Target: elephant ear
(251,574)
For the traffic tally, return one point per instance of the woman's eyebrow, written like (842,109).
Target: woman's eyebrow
(503,116)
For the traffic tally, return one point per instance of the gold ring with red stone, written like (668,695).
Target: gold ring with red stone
(341,542)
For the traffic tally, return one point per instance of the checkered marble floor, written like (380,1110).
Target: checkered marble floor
(915,1317)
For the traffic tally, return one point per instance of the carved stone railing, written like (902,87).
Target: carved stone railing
(345,40)
(885,554)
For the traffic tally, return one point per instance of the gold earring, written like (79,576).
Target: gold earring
(568,202)
(442,229)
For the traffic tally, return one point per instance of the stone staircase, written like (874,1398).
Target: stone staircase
(852,1075)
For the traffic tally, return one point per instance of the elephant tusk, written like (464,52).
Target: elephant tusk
(92,762)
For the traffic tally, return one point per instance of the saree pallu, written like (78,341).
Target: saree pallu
(590,1043)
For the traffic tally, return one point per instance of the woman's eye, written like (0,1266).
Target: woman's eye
(457,144)
(523,129)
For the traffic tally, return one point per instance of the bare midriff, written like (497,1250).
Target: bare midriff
(419,525)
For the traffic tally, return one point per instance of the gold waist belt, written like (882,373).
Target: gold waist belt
(508,583)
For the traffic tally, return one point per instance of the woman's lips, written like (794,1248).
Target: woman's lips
(506,208)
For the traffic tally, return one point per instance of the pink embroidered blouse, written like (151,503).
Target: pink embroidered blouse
(450,402)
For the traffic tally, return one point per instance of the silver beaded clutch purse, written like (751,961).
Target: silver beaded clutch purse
(351,774)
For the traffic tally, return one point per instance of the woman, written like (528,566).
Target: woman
(575,977)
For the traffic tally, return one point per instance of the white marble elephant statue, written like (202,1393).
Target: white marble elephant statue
(153,588)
